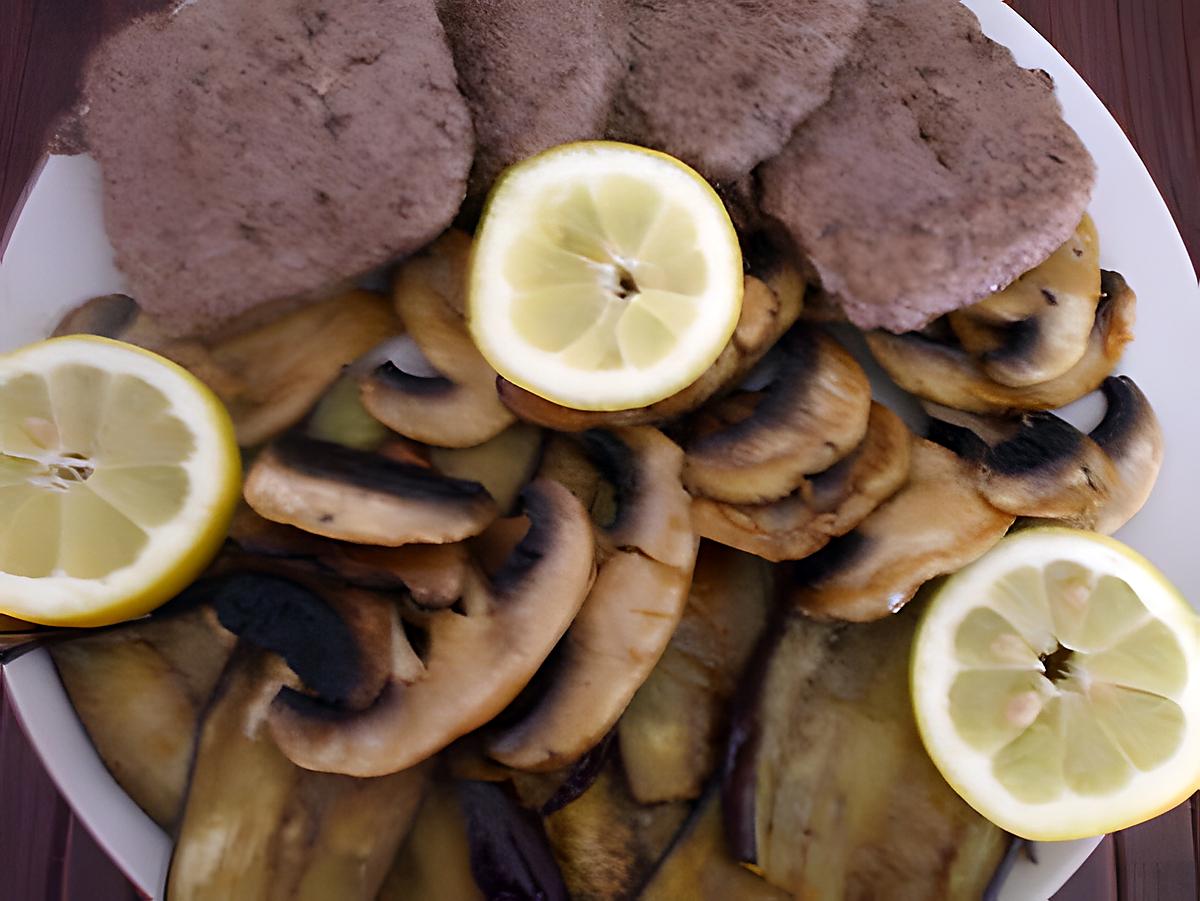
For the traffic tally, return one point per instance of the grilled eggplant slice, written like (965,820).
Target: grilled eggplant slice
(434,863)
(257,826)
(699,866)
(828,791)
(606,843)
(139,691)
(671,735)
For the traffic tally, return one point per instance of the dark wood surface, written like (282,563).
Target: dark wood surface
(1141,56)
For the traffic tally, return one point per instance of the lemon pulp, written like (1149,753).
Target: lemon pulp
(605,276)
(1055,686)
(118,474)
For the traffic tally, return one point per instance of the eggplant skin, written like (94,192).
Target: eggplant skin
(828,791)
(257,826)
(510,857)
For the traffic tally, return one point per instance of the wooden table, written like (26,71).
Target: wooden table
(1141,56)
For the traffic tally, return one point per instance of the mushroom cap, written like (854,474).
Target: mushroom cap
(948,375)
(1131,437)
(433,410)
(1036,465)
(937,523)
(1038,327)
(768,310)
(755,446)
(357,496)
(825,506)
(473,663)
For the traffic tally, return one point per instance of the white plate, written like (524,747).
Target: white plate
(59,256)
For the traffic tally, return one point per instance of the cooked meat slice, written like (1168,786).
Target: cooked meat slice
(722,85)
(253,152)
(938,171)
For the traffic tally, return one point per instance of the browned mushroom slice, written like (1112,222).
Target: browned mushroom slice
(353,495)
(1132,438)
(139,691)
(758,446)
(825,505)
(1038,327)
(630,613)
(827,789)
(1036,465)
(269,376)
(503,465)
(257,826)
(433,410)
(937,523)
(466,666)
(458,407)
(948,375)
(767,312)
(671,733)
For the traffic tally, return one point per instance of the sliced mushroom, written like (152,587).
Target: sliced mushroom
(339,641)
(503,465)
(459,407)
(937,523)
(268,376)
(1038,327)
(467,666)
(767,312)
(948,375)
(1036,465)
(825,506)
(352,495)
(1132,438)
(756,446)
(432,574)
(629,615)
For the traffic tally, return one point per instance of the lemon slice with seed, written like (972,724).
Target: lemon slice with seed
(119,473)
(1056,683)
(604,276)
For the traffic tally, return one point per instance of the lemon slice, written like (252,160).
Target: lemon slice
(1056,683)
(604,276)
(119,473)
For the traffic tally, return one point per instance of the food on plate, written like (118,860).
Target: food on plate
(767,312)
(332,490)
(719,85)
(827,791)
(1055,686)
(646,551)
(604,276)
(673,730)
(936,523)
(758,445)
(1037,328)
(938,172)
(824,506)
(140,693)
(118,477)
(558,575)
(255,825)
(276,160)
(700,867)
(946,374)
(454,671)
(268,376)
(457,406)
